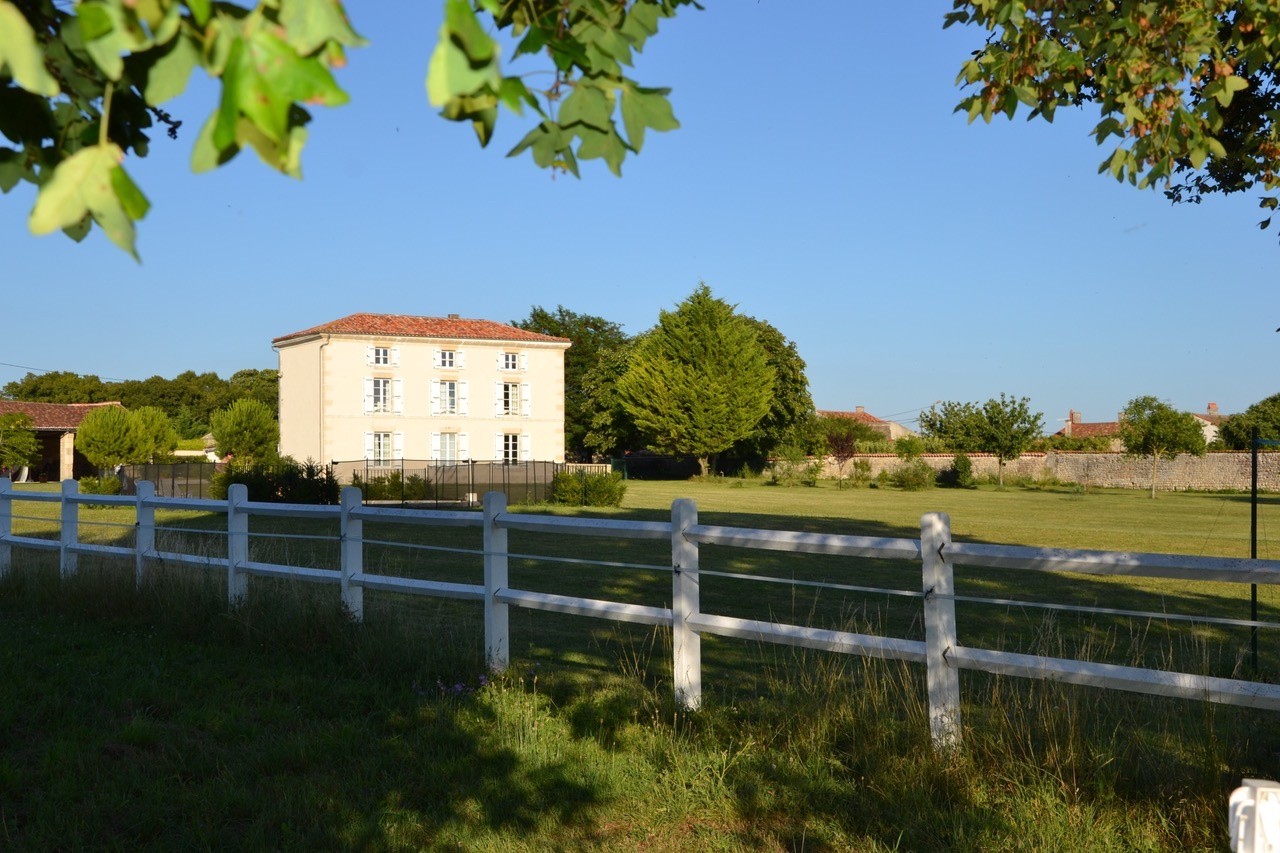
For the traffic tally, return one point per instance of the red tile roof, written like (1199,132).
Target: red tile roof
(864,417)
(405,326)
(1099,429)
(63,416)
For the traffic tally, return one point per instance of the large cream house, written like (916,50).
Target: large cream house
(390,387)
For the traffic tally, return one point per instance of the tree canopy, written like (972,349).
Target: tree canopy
(1151,428)
(791,407)
(1186,89)
(110,436)
(700,381)
(1237,431)
(18,443)
(593,338)
(1004,427)
(247,431)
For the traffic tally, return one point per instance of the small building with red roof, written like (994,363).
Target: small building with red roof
(55,425)
(889,429)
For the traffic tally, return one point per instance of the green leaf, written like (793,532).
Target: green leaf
(107,34)
(586,104)
(310,23)
(11,169)
(80,230)
(452,73)
(200,10)
(464,30)
(1198,156)
(168,75)
(601,144)
(20,51)
(91,182)
(646,108)
(206,155)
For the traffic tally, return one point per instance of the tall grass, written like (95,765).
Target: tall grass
(157,718)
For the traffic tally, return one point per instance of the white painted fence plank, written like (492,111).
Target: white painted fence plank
(613,610)
(614,528)
(1183,567)
(822,639)
(417,586)
(809,543)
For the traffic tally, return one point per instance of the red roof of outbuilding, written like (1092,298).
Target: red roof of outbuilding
(406,326)
(864,417)
(64,416)
(1098,429)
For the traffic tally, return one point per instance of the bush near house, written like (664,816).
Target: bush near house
(280,480)
(578,488)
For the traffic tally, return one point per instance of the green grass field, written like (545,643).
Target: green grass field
(156,719)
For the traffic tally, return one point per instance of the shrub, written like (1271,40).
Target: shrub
(860,474)
(108,485)
(578,488)
(914,476)
(960,474)
(281,480)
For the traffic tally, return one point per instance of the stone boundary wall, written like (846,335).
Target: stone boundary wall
(1212,472)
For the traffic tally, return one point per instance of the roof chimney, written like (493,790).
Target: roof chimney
(859,409)
(1075,416)
(1213,408)
(454,317)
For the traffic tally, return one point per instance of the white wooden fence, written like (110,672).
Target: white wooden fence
(942,655)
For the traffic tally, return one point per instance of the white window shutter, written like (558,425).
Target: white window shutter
(368,446)
(397,445)
(368,394)
(497,446)
(460,359)
(435,445)
(397,396)
(497,399)
(464,446)
(395,356)
(368,354)
(526,448)
(435,396)
(498,360)
(435,357)
(526,400)
(462,397)
(524,361)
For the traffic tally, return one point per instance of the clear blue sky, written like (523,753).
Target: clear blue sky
(820,181)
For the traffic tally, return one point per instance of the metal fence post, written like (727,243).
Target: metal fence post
(237,544)
(686,643)
(144,540)
(6,525)
(70,533)
(943,679)
(497,634)
(352,552)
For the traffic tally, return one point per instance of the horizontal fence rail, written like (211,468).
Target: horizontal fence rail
(937,555)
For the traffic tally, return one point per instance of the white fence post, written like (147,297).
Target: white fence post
(144,543)
(237,544)
(686,643)
(497,632)
(943,679)
(6,525)
(70,533)
(351,554)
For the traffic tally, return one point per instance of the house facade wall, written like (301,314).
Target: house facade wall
(337,404)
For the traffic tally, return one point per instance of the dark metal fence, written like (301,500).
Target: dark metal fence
(431,483)
(173,480)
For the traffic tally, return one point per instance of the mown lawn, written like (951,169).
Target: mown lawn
(156,719)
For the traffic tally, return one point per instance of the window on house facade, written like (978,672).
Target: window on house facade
(382,355)
(383,450)
(448,358)
(381,394)
(510,448)
(510,361)
(448,446)
(448,398)
(510,399)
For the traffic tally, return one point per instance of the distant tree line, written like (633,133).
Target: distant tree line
(189,399)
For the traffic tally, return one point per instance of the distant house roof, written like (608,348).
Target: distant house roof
(60,416)
(406,326)
(858,415)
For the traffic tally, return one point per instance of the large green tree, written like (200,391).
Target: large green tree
(110,436)
(247,431)
(1154,429)
(791,408)
(700,381)
(58,386)
(18,443)
(610,430)
(1004,427)
(1237,431)
(593,338)
(1186,89)
(156,433)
